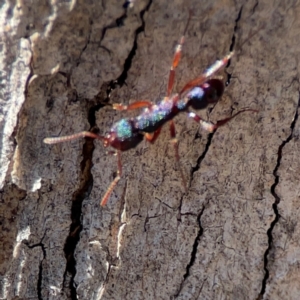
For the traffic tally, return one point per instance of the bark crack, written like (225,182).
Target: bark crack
(86,44)
(116,23)
(85,186)
(232,45)
(128,61)
(193,252)
(31,71)
(210,136)
(147,221)
(105,280)
(40,275)
(121,80)
(254,7)
(86,182)
(276,202)
(201,157)
(235,29)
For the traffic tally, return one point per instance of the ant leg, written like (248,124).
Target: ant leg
(135,105)
(114,182)
(174,141)
(176,58)
(208,126)
(151,137)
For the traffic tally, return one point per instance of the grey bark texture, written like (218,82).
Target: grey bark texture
(233,235)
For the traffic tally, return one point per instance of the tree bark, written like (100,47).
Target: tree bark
(232,235)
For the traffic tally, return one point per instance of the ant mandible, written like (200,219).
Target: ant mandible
(129,132)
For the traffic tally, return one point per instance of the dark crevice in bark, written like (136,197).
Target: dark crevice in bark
(193,253)
(116,23)
(40,275)
(147,221)
(86,44)
(165,204)
(232,45)
(85,186)
(121,80)
(195,245)
(254,7)
(107,275)
(127,65)
(101,100)
(227,82)
(201,157)
(112,262)
(86,182)
(235,29)
(275,204)
(30,74)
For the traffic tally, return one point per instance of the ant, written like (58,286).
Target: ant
(129,132)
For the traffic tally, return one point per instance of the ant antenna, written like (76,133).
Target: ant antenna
(61,139)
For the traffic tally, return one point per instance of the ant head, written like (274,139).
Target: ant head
(208,93)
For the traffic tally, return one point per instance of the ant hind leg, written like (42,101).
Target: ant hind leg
(208,126)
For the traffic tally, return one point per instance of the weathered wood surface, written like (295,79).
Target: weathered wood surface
(233,235)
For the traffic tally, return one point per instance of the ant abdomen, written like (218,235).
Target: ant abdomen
(213,90)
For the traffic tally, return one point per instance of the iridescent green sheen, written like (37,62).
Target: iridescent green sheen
(123,129)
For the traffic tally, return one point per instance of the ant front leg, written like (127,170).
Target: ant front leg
(176,59)
(114,182)
(208,126)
